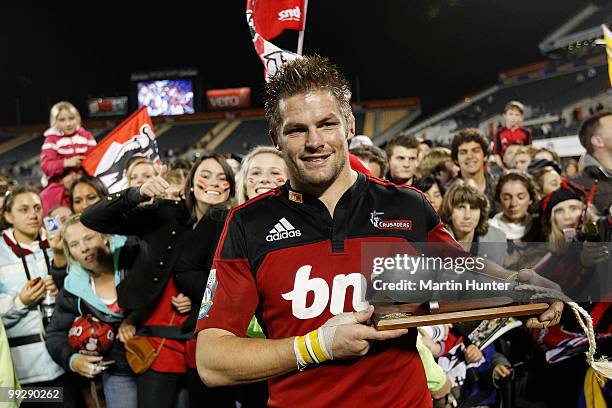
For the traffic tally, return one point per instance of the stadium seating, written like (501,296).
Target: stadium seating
(542,96)
(249,133)
(182,135)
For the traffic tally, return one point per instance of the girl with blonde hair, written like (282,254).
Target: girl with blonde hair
(263,169)
(65,147)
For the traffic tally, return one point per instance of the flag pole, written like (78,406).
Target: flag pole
(301,35)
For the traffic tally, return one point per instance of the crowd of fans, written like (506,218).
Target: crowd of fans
(137,261)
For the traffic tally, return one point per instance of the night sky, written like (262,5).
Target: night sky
(438,50)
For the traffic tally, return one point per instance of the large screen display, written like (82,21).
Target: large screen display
(166,97)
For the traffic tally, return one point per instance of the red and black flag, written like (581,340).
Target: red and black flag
(273,17)
(261,15)
(134,137)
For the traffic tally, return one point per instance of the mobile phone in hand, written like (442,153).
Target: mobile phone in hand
(569,234)
(52,225)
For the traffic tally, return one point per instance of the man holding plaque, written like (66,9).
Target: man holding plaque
(292,257)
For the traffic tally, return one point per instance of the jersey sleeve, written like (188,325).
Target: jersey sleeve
(230,298)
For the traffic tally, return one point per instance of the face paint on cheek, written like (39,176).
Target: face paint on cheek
(225,185)
(280,180)
(200,182)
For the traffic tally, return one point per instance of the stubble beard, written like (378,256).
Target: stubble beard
(318,184)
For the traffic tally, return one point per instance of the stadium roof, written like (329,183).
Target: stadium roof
(580,29)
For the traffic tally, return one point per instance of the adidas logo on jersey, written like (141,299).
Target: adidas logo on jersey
(283,229)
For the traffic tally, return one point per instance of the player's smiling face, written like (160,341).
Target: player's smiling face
(313,138)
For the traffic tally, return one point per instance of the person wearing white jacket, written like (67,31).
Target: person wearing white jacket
(24,283)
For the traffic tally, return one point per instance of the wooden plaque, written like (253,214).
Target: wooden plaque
(408,316)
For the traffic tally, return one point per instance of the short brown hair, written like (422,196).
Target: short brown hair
(525,150)
(372,153)
(521,177)
(407,141)
(301,75)
(461,193)
(590,127)
(12,193)
(538,177)
(176,176)
(466,136)
(515,105)
(434,161)
(553,153)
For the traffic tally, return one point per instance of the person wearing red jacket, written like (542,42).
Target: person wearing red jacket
(66,145)
(512,133)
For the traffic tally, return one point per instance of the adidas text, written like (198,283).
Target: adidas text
(282,235)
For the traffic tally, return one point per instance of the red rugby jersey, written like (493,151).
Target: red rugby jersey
(284,258)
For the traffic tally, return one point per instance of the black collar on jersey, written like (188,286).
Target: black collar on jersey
(299,197)
(338,225)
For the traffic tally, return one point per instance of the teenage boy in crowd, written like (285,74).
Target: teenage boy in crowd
(470,150)
(402,153)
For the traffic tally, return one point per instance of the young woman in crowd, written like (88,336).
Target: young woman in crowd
(433,189)
(96,268)
(66,145)
(465,212)
(516,193)
(565,214)
(579,263)
(85,192)
(25,281)
(262,170)
(547,179)
(166,284)
(140,170)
